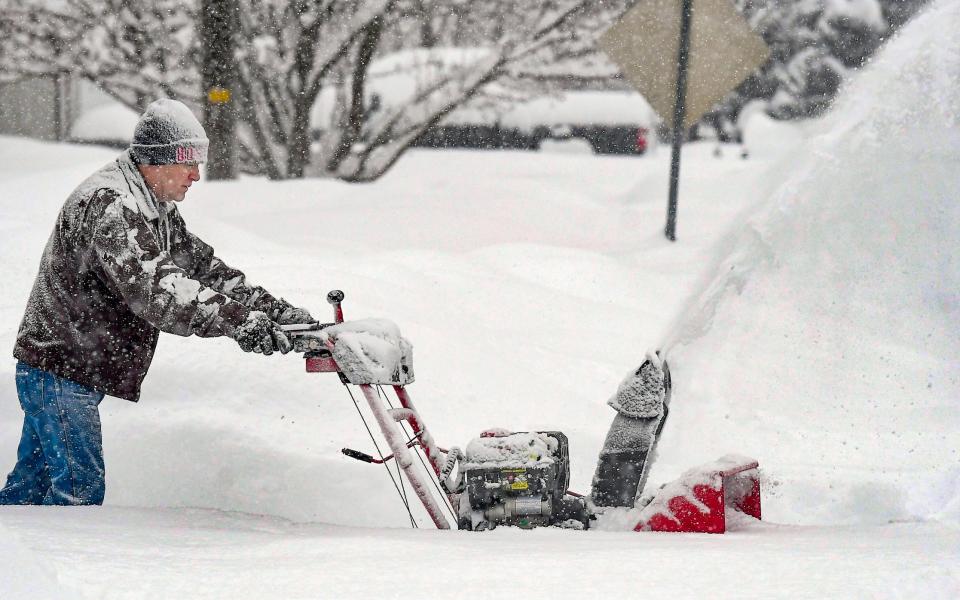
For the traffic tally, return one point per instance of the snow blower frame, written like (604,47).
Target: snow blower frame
(526,495)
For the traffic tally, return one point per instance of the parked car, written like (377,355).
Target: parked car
(612,122)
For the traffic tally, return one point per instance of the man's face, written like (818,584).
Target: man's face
(169,183)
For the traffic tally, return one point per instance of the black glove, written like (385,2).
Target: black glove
(285,313)
(261,335)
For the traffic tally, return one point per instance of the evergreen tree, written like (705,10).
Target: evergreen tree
(813,45)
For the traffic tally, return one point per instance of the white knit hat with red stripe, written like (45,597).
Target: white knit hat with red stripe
(168,133)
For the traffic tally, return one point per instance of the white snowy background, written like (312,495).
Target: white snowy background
(809,311)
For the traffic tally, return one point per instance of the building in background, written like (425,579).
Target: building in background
(63,108)
(40,107)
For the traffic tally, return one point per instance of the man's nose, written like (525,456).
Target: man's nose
(194,173)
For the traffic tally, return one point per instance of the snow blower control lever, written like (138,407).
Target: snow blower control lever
(514,478)
(307,338)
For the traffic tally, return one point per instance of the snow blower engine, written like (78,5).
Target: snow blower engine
(516,479)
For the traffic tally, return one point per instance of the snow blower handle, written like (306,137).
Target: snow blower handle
(307,338)
(335,297)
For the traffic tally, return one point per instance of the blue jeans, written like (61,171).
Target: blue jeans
(60,458)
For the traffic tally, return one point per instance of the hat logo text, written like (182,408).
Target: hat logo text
(187,154)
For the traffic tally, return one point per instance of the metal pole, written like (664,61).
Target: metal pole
(219,19)
(679,113)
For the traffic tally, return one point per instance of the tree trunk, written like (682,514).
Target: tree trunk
(298,151)
(218,24)
(368,45)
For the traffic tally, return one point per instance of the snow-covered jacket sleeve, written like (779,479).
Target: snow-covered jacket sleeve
(199,261)
(150,282)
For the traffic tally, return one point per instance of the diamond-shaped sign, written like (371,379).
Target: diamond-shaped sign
(723,52)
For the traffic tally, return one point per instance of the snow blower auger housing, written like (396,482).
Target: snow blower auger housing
(522,478)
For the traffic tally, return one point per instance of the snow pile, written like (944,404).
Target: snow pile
(23,574)
(566,146)
(765,136)
(111,122)
(825,341)
(518,450)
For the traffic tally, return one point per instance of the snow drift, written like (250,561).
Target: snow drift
(24,574)
(826,336)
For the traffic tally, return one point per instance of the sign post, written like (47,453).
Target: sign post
(679,108)
(683,57)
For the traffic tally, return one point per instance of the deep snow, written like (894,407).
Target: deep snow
(529,285)
(850,274)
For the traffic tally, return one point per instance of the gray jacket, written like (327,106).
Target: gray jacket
(120,267)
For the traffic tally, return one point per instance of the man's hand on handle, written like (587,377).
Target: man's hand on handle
(287,314)
(262,335)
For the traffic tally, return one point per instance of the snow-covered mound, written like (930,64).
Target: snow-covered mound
(111,122)
(825,343)
(24,575)
(765,136)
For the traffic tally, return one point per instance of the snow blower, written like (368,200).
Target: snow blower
(521,479)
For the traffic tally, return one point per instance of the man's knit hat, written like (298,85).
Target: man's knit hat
(168,133)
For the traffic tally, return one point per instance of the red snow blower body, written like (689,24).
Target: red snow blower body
(521,478)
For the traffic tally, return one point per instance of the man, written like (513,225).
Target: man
(119,268)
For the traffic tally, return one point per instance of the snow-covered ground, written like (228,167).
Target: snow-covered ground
(809,312)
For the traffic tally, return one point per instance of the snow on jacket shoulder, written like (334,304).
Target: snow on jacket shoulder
(120,267)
